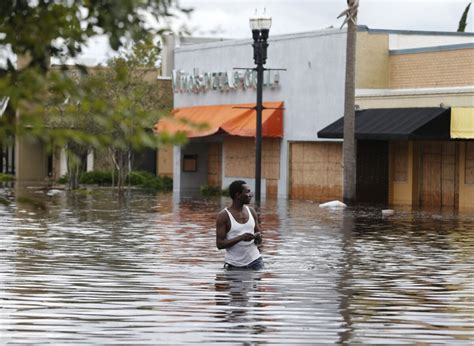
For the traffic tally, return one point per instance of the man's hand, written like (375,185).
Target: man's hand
(258,238)
(247,237)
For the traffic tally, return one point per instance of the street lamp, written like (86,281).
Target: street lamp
(260,26)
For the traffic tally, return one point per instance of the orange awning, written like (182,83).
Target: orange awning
(223,118)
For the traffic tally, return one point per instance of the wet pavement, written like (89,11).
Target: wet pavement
(92,268)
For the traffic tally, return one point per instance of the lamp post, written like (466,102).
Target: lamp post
(260,26)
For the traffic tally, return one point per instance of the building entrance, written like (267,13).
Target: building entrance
(438,186)
(372,172)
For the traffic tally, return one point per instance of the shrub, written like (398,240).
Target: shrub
(136,178)
(139,177)
(166,183)
(6,177)
(209,190)
(149,181)
(96,177)
(63,180)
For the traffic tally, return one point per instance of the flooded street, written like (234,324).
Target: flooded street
(89,268)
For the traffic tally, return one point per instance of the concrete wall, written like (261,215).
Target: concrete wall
(31,160)
(192,181)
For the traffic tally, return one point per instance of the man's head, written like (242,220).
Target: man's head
(239,190)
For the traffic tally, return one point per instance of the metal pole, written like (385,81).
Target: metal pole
(258,134)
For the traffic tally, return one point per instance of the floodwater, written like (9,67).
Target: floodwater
(90,268)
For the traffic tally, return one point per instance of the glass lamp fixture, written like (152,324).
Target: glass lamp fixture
(260,22)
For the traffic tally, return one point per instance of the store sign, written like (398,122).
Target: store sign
(196,82)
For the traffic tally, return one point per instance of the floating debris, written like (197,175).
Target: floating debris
(53,192)
(333,204)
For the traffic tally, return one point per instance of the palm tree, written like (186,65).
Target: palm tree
(463,20)
(349,144)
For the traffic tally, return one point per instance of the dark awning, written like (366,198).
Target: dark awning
(395,123)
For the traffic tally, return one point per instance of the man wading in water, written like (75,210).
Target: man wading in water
(238,231)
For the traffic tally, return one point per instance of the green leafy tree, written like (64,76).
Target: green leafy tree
(36,31)
(116,111)
(73,126)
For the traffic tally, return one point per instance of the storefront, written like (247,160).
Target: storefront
(296,162)
(423,157)
(299,100)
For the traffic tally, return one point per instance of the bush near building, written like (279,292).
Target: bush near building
(135,178)
(209,190)
(6,177)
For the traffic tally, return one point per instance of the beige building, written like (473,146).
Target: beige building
(433,169)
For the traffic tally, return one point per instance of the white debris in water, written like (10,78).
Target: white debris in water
(315,227)
(53,192)
(388,212)
(333,204)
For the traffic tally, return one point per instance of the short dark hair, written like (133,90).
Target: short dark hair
(236,187)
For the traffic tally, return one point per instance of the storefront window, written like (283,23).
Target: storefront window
(190,163)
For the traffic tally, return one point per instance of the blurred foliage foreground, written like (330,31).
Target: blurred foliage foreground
(76,108)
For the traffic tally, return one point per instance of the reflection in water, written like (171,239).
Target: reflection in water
(90,268)
(239,291)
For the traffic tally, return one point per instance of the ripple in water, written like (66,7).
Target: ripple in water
(95,269)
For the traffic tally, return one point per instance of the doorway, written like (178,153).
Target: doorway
(372,172)
(438,185)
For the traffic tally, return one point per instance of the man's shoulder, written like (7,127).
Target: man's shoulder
(223,212)
(222,215)
(252,210)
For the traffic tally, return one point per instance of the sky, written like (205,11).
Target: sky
(229,18)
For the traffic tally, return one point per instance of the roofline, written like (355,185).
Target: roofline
(249,41)
(361,93)
(412,32)
(313,33)
(432,49)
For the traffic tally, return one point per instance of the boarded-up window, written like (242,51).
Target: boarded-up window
(400,161)
(190,163)
(240,157)
(469,163)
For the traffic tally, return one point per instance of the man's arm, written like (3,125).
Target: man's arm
(221,231)
(257,228)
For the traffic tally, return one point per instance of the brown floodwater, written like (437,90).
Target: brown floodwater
(89,268)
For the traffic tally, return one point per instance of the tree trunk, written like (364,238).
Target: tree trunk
(349,144)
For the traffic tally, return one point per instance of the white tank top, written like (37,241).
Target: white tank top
(244,252)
